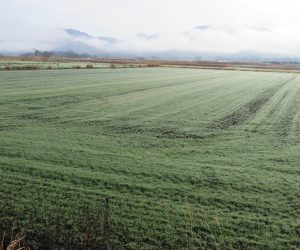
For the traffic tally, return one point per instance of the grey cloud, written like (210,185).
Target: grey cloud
(202,27)
(147,36)
(108,39)
(79,34)
(261,29)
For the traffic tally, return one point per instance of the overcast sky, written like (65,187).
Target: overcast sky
(228,26)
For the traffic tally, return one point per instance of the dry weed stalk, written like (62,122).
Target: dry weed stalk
(16,244)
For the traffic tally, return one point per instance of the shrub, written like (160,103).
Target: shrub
(7,67)
(89,66)
(153,64)
(24,67)
(30,67)
(76,67)
(112,66)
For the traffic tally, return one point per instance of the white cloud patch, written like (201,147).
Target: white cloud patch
(147,36)
(152,25)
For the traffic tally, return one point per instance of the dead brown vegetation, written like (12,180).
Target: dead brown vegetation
(247,66)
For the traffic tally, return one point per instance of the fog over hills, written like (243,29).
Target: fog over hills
(170,29)
(82,42)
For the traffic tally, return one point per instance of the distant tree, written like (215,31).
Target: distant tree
(112,66)
(45,55)
(36,52)
(70,54)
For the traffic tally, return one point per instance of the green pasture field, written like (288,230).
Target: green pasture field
(175,158)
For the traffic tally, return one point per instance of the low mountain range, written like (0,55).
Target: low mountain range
(102,46)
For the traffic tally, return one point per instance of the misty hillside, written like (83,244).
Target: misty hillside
(81,42)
